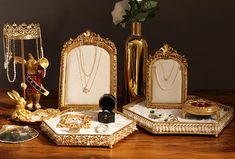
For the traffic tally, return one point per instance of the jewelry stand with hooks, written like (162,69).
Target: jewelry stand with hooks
(13,33)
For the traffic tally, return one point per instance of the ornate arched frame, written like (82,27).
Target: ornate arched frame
(166,52)
(87,38)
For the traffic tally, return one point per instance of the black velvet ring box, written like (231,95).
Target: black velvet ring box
(107,103)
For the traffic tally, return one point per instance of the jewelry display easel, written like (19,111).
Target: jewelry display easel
(166,82)
(22,32)
(88,70)
(167,117)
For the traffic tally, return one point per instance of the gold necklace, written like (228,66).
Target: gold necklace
(171,84)
(85,78)
(164,73)
(82,62)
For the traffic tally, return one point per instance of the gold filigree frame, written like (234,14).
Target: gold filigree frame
(21,32)
(166,52)
(87,38)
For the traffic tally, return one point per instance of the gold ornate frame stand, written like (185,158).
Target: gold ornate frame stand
(176,127)
(166,52)
(87,38)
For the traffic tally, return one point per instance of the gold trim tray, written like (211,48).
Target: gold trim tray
(122,127)
(209,126)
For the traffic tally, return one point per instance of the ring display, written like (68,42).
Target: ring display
(66,128)
(107,103)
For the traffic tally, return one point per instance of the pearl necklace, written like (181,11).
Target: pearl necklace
(87,77)
(163,71)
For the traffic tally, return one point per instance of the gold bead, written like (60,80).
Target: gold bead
(23,86)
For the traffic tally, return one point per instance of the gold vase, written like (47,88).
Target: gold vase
(135,58)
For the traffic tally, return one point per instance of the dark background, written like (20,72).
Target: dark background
(202,30)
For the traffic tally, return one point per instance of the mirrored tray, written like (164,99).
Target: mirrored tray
(172,121)
(121,128)
(17,134)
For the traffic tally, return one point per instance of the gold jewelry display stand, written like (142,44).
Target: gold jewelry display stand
(113,132)
(21,32)
(138,111)
(97,134)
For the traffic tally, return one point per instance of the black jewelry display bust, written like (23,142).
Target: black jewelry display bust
(107,103)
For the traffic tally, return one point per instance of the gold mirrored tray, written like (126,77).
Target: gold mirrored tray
(17,134)
(95,134)
(171,121)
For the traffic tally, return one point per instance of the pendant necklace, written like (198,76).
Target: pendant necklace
(87,79)
(163,71)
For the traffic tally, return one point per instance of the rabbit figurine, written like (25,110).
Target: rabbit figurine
(20,114)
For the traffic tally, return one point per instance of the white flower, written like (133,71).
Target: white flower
(119,11)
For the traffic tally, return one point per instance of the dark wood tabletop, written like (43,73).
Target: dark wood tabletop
(140,144)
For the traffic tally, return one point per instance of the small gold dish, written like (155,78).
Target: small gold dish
(201,107)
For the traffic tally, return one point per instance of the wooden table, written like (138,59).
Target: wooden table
(140,144)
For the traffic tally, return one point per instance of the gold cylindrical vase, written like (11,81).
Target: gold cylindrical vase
(136,53)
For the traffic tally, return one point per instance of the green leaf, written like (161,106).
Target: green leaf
(140,17)
(140,10)
(149,5)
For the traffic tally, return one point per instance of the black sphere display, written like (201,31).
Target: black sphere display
(107,103)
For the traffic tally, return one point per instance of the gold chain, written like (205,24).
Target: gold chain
(164,73)
(82,62)
(160,84)
(87,77)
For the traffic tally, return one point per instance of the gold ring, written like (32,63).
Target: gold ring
(101,128)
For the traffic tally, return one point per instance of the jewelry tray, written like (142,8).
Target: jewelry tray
(122,127)
(192,125)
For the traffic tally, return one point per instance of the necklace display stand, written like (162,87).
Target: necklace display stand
(165,108)
(88,71)
(11,35)
(166,84)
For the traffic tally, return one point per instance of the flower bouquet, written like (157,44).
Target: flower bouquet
(133,11)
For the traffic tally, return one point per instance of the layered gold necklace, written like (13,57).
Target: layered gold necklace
(166,78)
(87,78)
